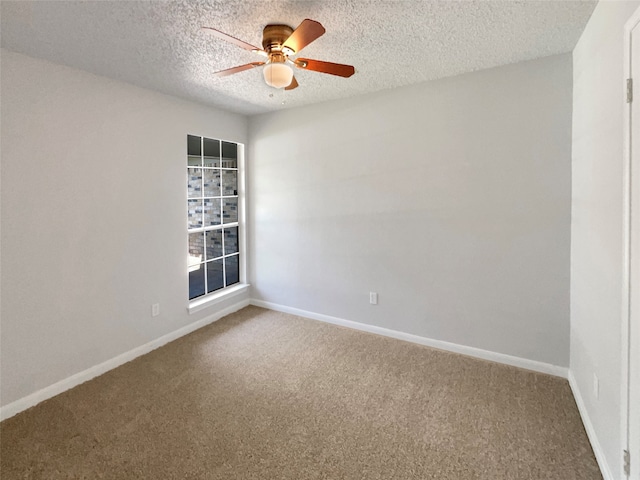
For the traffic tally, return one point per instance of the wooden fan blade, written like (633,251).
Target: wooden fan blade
(307,32)
(338,69)
(292,85)
(241,68)
(229,38)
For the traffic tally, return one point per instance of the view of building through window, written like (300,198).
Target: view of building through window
(212,206)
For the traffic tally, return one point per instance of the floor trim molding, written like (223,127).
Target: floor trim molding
(33,399)
(588,426)
(408,337)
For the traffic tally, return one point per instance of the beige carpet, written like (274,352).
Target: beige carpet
(264,395)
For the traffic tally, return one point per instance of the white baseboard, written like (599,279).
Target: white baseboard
(591,433)
(408,337)
(18,406)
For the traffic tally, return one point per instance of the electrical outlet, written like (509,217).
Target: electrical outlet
(155,309)
(373,298)
(596,386)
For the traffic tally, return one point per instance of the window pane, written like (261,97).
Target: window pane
(196,248)
(214,275)
(196,281)
(214,244)
(212,183)
(211,162)
(194,182)
(229,155)
(211,147)
(193,146)
(230,213)
(211,152)
(194,213)
(229,182)
(230,240)
(211,212)
(232,269)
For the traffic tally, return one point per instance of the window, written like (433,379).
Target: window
(213,220)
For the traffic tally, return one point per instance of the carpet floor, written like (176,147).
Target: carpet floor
(266,395)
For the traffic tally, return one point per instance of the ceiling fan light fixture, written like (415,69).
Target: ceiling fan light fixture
(279,43)
(278,75)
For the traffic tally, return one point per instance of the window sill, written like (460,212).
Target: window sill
(210,300)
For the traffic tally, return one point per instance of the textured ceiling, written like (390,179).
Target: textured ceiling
(159,44)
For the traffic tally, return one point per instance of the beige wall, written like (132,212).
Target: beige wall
(93,218)
(451,199)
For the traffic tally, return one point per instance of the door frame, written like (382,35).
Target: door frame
(630,417)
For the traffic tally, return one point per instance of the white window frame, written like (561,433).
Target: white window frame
(209,299)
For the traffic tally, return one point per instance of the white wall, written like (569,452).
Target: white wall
(93,218)
(451,199)
(597,225)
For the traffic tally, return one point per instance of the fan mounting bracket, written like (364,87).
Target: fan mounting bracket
(274,36)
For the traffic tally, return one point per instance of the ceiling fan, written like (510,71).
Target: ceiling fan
(279,42)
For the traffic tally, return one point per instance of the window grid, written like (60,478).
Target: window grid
(222,216)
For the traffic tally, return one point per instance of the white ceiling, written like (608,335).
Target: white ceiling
(159,44)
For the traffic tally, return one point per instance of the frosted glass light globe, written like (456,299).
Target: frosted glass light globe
(277,75)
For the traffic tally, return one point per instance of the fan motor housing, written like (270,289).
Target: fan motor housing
(273,36)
